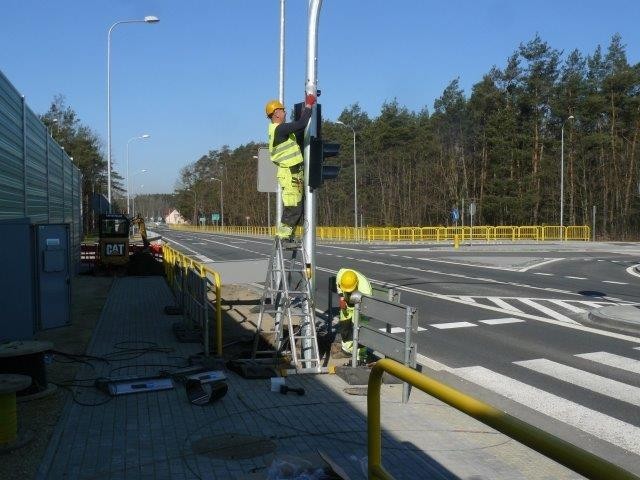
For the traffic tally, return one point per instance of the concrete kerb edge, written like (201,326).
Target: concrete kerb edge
(594,318)
(45,464)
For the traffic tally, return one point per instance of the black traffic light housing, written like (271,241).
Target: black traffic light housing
(319,151)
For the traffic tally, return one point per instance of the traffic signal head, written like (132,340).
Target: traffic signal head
(318,171)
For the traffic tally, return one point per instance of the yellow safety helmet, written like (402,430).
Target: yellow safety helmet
(272,106)
(348,281)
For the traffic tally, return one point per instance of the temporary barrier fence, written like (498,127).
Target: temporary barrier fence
(192,283)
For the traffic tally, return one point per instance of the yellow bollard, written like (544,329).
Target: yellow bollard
(456,241)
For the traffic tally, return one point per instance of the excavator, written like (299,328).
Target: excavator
(114,239)
(113,242)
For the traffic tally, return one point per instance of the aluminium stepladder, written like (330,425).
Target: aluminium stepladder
(288,299)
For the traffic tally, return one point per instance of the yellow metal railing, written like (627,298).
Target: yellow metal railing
(577,459)
(172,258)
(421,234)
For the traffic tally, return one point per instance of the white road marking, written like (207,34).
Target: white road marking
(204,258)
(612,430)
(183,246)
(463,264)
(596,331)
(454,299)
(576,278)
(568,306)
(539,264)
(502,304)
(595,304)
(400,329)
(613,360)
(467,277)
(501,321)
(632,270)
(467,299)
(615,283)
(443,326)
(548,311)
(591,381)
(545,274)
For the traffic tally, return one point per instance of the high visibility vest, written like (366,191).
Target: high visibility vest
(286,154)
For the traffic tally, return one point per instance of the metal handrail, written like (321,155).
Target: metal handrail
(572,457)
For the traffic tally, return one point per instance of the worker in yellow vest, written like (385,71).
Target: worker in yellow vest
(285,153)
(348,281)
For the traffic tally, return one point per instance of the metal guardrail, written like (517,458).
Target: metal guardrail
(397,347)
(575,458)
(192,281)
(420,234)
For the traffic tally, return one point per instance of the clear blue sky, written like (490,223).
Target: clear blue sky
(199,79)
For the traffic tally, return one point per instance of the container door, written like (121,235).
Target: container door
(54,281)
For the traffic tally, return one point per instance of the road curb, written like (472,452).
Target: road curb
(623,317)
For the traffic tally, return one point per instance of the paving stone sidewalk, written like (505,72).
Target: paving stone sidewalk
(153,435)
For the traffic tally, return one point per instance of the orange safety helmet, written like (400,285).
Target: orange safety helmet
(272,106)
(348,281)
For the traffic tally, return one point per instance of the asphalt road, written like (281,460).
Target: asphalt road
(506,324)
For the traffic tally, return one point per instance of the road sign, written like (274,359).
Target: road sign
(215,217)
(472,209)
(267,171)
(455,214)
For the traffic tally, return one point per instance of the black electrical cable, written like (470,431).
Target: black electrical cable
(84,404)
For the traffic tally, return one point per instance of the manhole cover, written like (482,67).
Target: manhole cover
(361,391)
(233,446)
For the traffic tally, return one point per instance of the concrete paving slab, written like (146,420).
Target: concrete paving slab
(152,435)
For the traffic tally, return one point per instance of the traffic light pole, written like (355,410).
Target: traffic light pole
(279,205)
(310,210)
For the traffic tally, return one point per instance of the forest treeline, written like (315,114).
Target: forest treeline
(500,146)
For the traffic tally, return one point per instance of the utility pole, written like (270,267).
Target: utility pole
(279,205)
(309,240)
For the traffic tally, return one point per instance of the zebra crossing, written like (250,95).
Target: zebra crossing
(520,310)
(588,385)
(558,309)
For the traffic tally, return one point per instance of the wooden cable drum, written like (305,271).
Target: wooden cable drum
(9,385)
(26,358)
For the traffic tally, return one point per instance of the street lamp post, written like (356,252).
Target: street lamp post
(221,202)
(355,180)
(134,202)
(147,19)
(141,137)
(570,117)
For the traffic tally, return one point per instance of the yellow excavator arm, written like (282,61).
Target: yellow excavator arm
(139,222)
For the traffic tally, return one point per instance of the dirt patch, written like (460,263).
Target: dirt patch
(88,295)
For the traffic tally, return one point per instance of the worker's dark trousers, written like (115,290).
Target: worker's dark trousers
(292,216)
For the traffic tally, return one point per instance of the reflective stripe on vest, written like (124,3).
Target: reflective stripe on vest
(287,153)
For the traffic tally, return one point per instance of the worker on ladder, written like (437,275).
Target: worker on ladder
(348,281)
(285,153)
